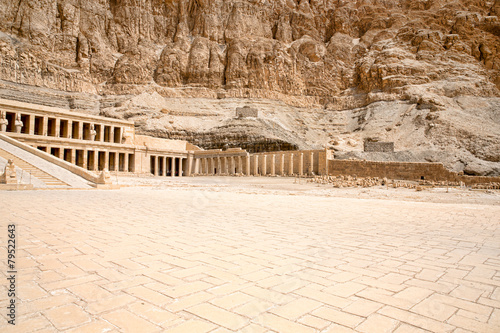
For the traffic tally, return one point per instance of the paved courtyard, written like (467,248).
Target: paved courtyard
(156,259)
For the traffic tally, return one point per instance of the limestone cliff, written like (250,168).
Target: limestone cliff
(423,73)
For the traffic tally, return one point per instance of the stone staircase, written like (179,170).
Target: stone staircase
(49,180)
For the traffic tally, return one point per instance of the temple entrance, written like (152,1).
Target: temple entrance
(51,127)
(102,161)
(67,155)
(79,158)
(26,124)
(38,125)
(90,160)
(131,163)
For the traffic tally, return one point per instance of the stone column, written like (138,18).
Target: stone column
(70,129)
(96,160)
(282,165)
(172,171)
(101,133)
(106,160)
(290,167)
(231,165)
(80,130)
(32,124)
(256,165)
(125,163)
(190,164)
(61,153)
(45,126)
(301,164)
(247,162)
(264,165)
(181,169)
(58,127)
(85,159)
(240,165)
(197,166)
(273,165)
(219,165)
(73,156)
(311,166)
(111,134)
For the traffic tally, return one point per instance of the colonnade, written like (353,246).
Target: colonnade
(167,165)
(59,127)
(261,164)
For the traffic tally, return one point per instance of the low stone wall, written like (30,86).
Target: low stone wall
(402,170)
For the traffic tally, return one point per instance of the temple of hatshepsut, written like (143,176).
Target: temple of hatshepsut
(92,146)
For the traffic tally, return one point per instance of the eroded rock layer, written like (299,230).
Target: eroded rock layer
(423,73)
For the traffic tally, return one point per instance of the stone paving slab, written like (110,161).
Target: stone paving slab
(171,260)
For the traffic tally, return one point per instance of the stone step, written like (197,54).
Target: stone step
(34,171)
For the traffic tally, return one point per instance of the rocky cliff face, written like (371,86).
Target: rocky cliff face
(340,59)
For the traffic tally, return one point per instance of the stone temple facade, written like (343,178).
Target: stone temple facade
(88,145)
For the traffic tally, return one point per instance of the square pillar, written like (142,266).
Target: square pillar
(85,159)
(256,165)
(45,126)
(32,124)
(70,129)
(172,172)
(157,165)
(165,163)
(311,165)
(125,162)
(96,161)
(101,133)
(117,161)
(264,165)
(106,160)
(219,166)
(189,165)
(58,127)
(80,130)
(112,134)
(290,167)
(282,165)
(231,165)
(73,156)
(273,165)
(301,164)
(240,165)
(247,162)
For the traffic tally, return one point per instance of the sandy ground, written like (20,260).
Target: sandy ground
(258,254)
(303,186)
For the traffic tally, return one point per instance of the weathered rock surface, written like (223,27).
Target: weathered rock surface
(422,73)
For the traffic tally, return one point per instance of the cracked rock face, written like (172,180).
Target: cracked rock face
(442,58)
